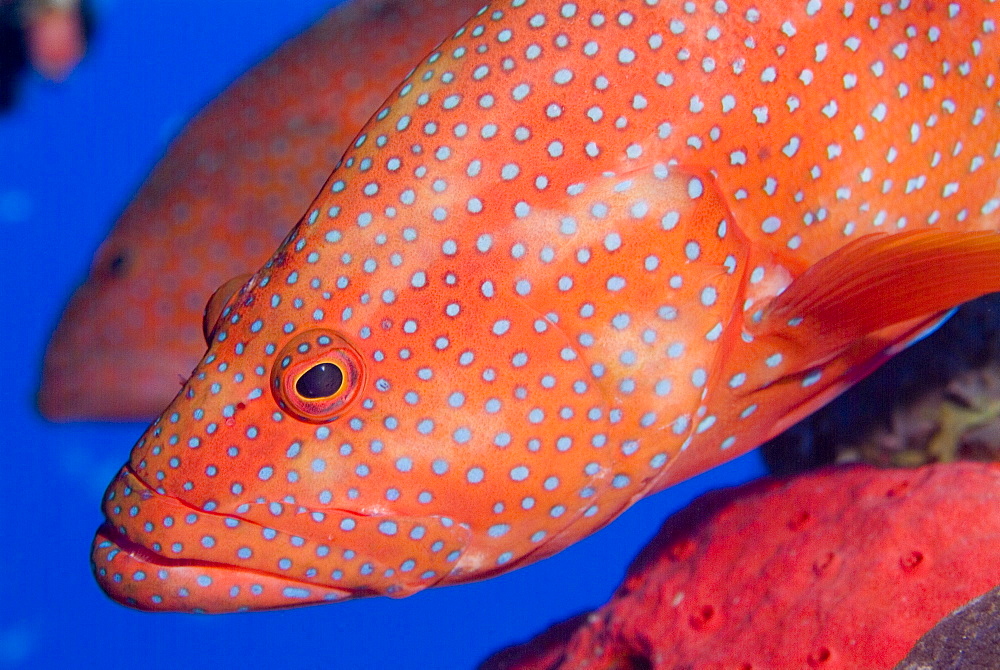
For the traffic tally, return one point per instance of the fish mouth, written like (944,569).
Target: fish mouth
(156,552)
(137,571)
(137,577)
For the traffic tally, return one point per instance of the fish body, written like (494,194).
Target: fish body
(228,190)
(584,251)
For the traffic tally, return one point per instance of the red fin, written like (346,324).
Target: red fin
(878,281)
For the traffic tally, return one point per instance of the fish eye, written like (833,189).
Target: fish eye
(111,264)
(320,381)
(317,375)
(118,265)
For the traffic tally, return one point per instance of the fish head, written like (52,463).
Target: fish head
(329,446)
(436,377)
(311,458)
(386,407)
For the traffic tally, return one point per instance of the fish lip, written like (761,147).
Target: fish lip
(148,556)
(141,577)
(115,558)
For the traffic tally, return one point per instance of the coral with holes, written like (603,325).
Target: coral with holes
(839,568)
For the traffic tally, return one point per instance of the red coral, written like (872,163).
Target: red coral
(840,568)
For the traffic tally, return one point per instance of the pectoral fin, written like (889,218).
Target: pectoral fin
(877,282)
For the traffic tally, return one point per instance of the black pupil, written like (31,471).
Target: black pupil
(320,381)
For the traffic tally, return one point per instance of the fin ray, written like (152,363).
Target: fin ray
(878,281)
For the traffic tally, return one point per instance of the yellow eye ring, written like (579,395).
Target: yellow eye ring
(317,375)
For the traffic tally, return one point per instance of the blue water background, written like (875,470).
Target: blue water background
(71,155)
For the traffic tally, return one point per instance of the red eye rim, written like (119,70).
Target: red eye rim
(303,353)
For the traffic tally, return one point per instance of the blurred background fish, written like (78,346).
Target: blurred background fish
(217,204)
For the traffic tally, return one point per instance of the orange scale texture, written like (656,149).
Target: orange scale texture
(565,290)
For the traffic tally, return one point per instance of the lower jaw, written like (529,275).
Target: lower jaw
(139,578)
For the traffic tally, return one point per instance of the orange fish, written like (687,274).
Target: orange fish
(586,250)
(226,193)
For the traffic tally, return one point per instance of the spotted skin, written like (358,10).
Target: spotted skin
(585,251)
(225,194)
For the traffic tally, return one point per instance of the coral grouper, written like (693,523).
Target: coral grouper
(584,251)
